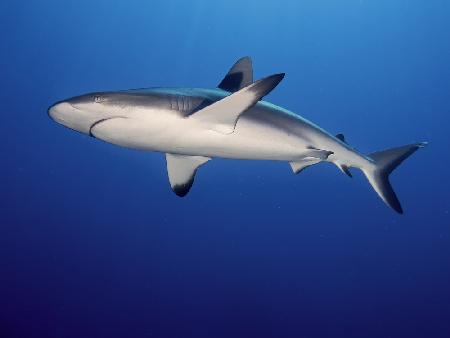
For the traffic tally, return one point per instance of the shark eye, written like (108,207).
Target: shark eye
(98,99)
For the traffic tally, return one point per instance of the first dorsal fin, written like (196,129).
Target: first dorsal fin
(181,170)
(239,76)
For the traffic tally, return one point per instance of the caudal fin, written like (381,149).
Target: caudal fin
(385,162)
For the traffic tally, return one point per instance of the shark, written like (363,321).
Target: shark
(191,126)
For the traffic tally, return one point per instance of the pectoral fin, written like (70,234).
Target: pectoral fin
(181,170)
(222,115)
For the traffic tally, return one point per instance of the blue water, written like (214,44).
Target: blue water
(93,243)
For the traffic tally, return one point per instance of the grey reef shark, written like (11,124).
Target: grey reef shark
(193,125)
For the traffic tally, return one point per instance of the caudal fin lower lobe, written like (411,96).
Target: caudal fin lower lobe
(385,163)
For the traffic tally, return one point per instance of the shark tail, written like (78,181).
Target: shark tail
(385,163)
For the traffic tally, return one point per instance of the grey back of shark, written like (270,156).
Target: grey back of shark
(193,125)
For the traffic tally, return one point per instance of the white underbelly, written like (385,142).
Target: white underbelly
(182,136)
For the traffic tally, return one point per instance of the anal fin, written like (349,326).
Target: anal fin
(345,169)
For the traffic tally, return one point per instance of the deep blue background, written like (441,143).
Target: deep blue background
(93,243)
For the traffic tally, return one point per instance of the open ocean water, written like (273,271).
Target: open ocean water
(93,243)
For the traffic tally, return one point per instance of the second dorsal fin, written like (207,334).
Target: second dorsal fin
(341,137)
(239,76)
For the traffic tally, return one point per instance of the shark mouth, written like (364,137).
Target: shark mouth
(96,123)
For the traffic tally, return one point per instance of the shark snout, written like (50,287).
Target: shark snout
(56,111)
(71,117)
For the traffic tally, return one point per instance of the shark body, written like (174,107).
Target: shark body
(193,125)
